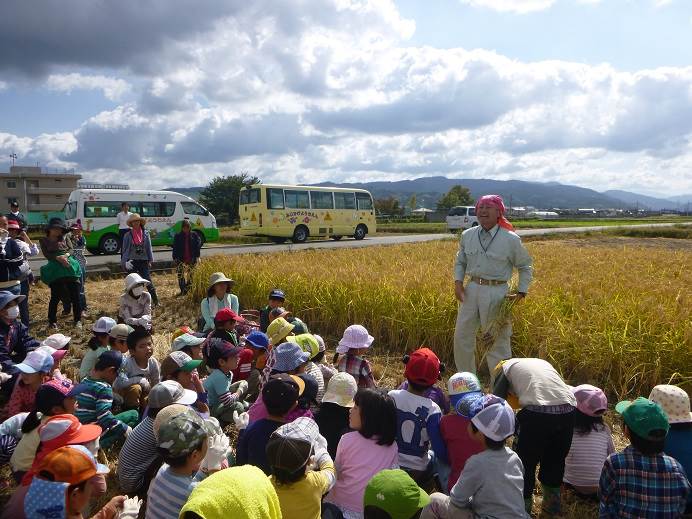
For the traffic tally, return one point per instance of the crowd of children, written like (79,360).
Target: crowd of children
(314,438)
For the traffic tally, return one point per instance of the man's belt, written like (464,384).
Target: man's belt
(490,282)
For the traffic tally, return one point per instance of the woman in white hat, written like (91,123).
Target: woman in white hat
(135,303)
(137,254)
(218,296)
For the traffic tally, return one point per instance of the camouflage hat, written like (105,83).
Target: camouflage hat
(183,433)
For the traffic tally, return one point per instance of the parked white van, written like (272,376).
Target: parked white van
(97,210)
(461,217)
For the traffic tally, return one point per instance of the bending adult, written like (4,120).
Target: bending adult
(219,296)
(186,249)
(137,254)
(488,255)
(62,273)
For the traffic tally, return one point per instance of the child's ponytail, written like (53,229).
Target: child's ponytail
(46,399)
(31,421)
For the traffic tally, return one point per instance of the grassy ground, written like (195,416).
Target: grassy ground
(608,299)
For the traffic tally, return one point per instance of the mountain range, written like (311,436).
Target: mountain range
(543,195)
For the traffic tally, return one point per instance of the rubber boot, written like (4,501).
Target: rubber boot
(551,500)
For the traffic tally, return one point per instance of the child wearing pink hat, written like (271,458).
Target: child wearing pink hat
(350,351)
(592,442)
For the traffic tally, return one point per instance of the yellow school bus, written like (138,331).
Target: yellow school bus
(299,212)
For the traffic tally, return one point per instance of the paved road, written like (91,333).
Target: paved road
(164,253)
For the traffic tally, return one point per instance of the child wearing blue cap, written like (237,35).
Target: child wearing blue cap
(257,342)
(276,299)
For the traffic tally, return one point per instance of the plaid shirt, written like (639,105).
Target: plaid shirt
(359,368)
(633,485)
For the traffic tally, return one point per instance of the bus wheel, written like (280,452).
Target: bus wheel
(336,237)
(277,239)
(360,233)
(300,235)
(109,244)
(201,236)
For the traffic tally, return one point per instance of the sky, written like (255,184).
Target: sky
(162,93)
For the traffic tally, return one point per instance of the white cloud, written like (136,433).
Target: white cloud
(512,6)
(113,88)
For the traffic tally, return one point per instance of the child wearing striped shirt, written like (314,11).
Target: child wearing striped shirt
(191,448)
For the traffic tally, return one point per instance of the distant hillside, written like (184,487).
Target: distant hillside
(516,192)
(641,201)
(682,199)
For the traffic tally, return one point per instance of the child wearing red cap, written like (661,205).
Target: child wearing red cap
(225,321)
(418,417)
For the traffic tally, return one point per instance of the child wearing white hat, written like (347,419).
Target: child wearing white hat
(351,349)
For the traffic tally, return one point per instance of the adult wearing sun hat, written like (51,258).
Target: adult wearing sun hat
(61,273)
(488,254)
(137,253)
(218,296)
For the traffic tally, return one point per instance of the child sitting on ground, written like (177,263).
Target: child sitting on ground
(641,481)
(57,346)
(51,399)
(392,494)
(62,489)
(140,371)
(592,442)
(97,344)
(419,418)
(676,404)
(257,342)
(94,396)
(373,420)
(190,344)
(275,300)
(280,395)
(225,396)
(352,346)
(546,424)
(117,337)
(182,368)
(225,321)
(454,428)
(34,370)
(309,344)
(491,483)
(333,415)
(327,370)
(139,455)
(290,451)
(191,450)
(278,331)
(135,303)
(291,359)
(10,436)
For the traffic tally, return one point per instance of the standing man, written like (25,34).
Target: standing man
(488,254)
(17,216)
(123,216)
(186,250)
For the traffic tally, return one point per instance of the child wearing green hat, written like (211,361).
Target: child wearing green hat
(641,481)
(392,494)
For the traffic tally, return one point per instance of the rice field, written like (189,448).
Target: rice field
(617,315)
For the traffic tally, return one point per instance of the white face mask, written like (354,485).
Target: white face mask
(12,313)
(138,290)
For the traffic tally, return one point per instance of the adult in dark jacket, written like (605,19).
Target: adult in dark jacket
(137,254)
(186,249)
(11,259)
(15,341)
(17,216)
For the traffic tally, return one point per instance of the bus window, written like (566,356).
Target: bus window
(321,200)
(193,208)
(344,201)
(250,196)
(364,201)
(101,209)
(151,209)
(275,198)
(71,210)
(297,199)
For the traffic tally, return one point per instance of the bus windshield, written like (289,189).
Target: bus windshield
(250,196)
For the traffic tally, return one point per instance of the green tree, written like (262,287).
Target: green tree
(389,205)
(221,195)
(412,202)
(458,195)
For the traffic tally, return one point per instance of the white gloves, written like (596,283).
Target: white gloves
(129,265)
(242,387)
(241,421)
(216,453)
(130,509)
(4,377)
